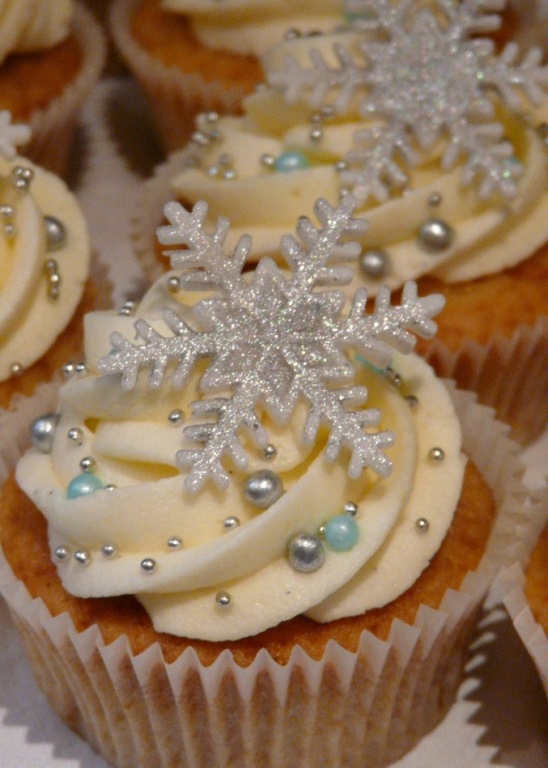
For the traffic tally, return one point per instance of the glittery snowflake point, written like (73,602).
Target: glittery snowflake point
(272,340)
(11,135)
(424,77)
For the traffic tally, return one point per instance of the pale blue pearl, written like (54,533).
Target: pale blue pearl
(83,485)
(341,533)
(290,161)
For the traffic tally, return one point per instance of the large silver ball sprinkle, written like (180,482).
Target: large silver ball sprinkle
(374,263)
(436,235)
(56,234)
(305,553)
(42,431)
(263,488)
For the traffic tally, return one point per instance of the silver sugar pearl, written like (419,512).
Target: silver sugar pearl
(109,550)
(316,134)
(82,557)
(127,309)
(200,138)
(412,401)
(174,542)
(16,369)
(56,234)
(422,524)
(341,165)
(6,211)
(212,116)
(434,199)
(436,454)
(68,370)
(42,431)
(392,377)
(109,487)
(173,284)
(80,369)
(61,553)
(268,160)
(263,488)
(229,174)
(176,416)
(231,522)
(223,599)
(148,565)
(436,235)
(305,553)
(75,435)
(88,464)
(270,452)
(351,508)
(374,262)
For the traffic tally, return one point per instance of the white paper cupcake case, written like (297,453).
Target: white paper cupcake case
(53,127)
(175,97)
(349,709)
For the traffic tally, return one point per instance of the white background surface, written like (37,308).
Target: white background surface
(501,716)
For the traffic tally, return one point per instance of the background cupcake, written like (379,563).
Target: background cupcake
(267,696)
(47,69)
(449,202)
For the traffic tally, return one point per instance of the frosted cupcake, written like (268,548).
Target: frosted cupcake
(418,138)
(266,551)
(51,54)
(45,262)
(193,56)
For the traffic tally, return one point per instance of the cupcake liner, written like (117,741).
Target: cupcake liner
(53,127)
(508,374)
(347,709)
(174,97)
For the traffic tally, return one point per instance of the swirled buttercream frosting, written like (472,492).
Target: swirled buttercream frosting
(27,26)
(430,207)
(214,460)
(44,262)
(252,26)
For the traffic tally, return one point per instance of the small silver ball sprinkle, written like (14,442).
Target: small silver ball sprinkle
(176,416)
(268,160)
(61,553)
(68,370)
(82,557)
(56,234)
(434,199)
(127,309)
(42,431)
(75,435)
(174,542)
(148,565)
(88,464)
(392,377)
(270,452)
(351,508)
(80,369)
(316,134)
(109,487)
(231,522)
(16,369)
(412,401)
(223,599)
(436,235)
(109,550)
(422,525)
(173,284)
(263,488)
(436,454)
(305,553)
(374,263)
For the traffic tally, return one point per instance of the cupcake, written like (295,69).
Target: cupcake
(449,202)
(195,56)
(45,263)
(51,54)
(234,562)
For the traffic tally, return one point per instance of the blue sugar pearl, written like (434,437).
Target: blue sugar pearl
(83,485)
(341,533)
(290,161)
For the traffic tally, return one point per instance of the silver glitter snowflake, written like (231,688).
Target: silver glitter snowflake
(273,340)
(11,135)
(424,78)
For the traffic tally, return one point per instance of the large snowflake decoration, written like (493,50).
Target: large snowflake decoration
(423,77)
(273,340)
(11,134)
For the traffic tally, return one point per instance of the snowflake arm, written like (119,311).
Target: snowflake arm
(11,135)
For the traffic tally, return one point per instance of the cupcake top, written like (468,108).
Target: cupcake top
(442,142)
(27,26)
(252,26)
(278,458)
(44,255)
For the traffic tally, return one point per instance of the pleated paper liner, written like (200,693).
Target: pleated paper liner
(348,709)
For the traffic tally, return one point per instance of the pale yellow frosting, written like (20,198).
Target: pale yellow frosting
(489,234)
(134,444)
(30,318)
(252,26)
(33,25)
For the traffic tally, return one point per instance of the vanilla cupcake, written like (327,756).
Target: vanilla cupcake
(235,562)
(449,203)
(45,263)
(51,54)
(194,56)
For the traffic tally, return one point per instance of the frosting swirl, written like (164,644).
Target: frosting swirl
(34,306)
(252,26)
(33,25)
(148,536)
(243,167)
